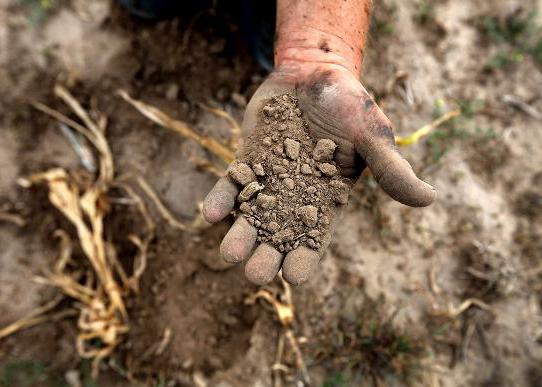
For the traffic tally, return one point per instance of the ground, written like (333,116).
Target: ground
(384,306)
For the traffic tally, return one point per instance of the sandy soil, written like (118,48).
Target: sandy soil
(481,240)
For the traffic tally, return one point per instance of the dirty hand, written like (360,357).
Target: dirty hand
(337,107)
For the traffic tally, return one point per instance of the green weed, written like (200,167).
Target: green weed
(425,12)
(518,35)
(29,374)
(33,373)
(382,19)
(460,128)
(373,347)
(336,380)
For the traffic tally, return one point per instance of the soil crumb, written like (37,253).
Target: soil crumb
(291,182)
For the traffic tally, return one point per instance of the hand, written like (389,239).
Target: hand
(337,107)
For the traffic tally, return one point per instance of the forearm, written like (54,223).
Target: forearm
(322,31)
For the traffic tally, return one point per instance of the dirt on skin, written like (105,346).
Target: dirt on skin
(294,185)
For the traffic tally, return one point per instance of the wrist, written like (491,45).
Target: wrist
(311,48)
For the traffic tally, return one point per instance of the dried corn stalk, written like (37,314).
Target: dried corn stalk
(102,318)
(283,306)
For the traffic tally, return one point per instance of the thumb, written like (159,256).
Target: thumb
(376,144)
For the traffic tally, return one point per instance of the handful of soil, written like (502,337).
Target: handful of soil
(291,182)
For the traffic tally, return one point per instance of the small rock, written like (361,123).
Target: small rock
(267,141)
(279,169)
(282,127)
(268,110)
(302,184)
(241,173)
(308,215)
(311,243)
(324,149)
(314,234)
(245,208)
(285,162)
(257,223)
(258,169)
(278,150)
(324,220)
(266,201)
(311,190)
(273,227)
(283,176)
(327,169)
(341,190)
(306,169)
(283,236)
(292,148)
(289,183)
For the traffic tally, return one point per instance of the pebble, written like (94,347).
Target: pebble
(289,183)
(283,236)
(308,215)
(268,110)
(292,148)
(341,191)
(245,208)
(273,227)
(278,150)
(279,169)
(314,234)
(327,169)
(306,169)
(324,220)
(311,190)
(266,202)
(311,243)
(258,169)
(267,141)
(282,127)
(283,176)
(324,149)
(241,173)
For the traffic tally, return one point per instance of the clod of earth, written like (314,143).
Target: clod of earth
(291,183)
(241,173)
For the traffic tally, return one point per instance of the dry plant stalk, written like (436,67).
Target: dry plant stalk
(426,129)
(283,306)
(225,153)
(102,318)
(8,217)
